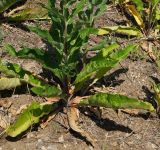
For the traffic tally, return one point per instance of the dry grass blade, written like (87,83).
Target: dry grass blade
(44,124)
(147,47)
(72,114)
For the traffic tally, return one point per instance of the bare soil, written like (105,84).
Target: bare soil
(114,131)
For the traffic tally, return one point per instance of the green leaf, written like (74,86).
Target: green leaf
(155,2)
(46,91)
(8,83)
(86,32)
(101,6)
(30,116)
(157,14)
(115,101)
(119,29)
(98,68)
(44,34)
(102,44)
(91,71)
(105,51)
(37,54)
(9,73)
(5,4)
(79,8)
(40,87)
(47,36)
(51,3)
(30,53)
(123,53)
(11,50)
(28,10)
(156,88)
(1,35)
(14,70)
(28,14)
(139,4)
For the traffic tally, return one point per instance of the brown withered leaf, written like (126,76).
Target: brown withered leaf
(77,100)
(73,115)
(147,47)
(43,124)
(53,99)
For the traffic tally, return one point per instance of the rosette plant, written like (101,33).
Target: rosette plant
(74,74)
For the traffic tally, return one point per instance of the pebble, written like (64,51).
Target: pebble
(61,139)
(30,135)
(0,148)
(43,148)
(65,145)
(114,143)
(15,96)
(52,147)
(39,144)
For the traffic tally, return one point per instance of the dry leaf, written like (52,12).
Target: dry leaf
(77,100)
(44,124)
(53,99)
(147,47)
(72,115)
(132,9)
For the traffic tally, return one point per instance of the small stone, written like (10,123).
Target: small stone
(0,148)
(15,96)
(114,143)
(30,135)
(52,147)
(61,139)
(39,143)
(65,146)
(130,142)
(43,148)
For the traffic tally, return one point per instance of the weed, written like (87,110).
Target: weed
(74,74)
(143,23)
